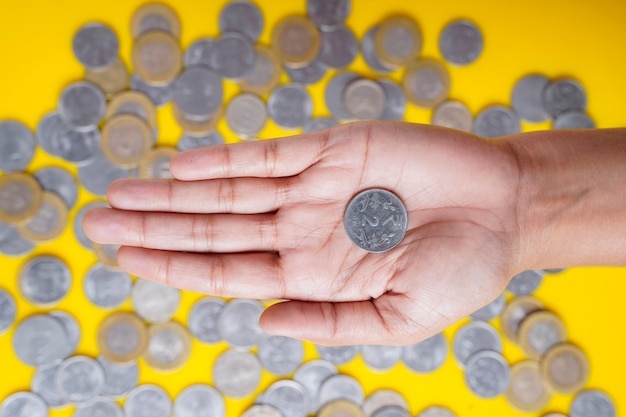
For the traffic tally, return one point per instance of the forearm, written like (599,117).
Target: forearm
(571,206)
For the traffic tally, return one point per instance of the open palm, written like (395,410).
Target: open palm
(265,220)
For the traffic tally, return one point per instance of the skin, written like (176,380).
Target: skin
(265,220)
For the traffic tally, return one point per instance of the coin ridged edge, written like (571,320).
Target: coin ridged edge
(555,351)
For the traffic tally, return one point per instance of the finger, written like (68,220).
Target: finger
(265,158)
(183,232)
(241,195)
(245,275)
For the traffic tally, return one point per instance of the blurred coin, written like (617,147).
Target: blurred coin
(13,243)
(527,390)
(107,254)
(8,310)
(79,379)
(496,121)
(46,131)
(242,16)
(233,55)
(160,95)
(122,338)
(454,115)
(592,403)
(461,42)
(154,17)
(487,374)
(45,280)
(341,387)
(199,400)
(573,120)
(246,115)
(319,123)
(199,53)
(369,52)
(565,368)
(126,139)
(395,100)
(333,94)
(49,221)
(383,398)
(426,83)
(99,174)
(311,375)
(133,103)
(526,282)
(96,46)
(338,355)
(60,139)
(59,181)
(290,106)
(265,73)
(564,95)
(236,374)
(554,415)
(288,396)
(527,98)
(364,99)
(99,407)
(307,75)
(157,163)
(475,337)
(296,41)
(78,223)
(397,41)
(43,384)
(436,411)
(198,93)
(341,408)
(391,411)
(491,310)
(72,329)
(169,346)
(239,322)
(17,146)
(187,142)
(157,57)
(339,47)
(119,379)
(20,198)
(111,80)
(106,287)
(148,400)
(262,410)
(380,357)
(540,331)
(82,105)
(328,14)
(514,313)
(280,355)
(197,129)
(426,356)
(23,403)
(155,302)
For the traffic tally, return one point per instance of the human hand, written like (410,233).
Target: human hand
(265,220)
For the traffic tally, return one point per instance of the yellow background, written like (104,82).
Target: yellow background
(576,38)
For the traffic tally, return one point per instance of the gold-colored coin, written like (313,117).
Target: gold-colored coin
(107,254)
(20,198)
(157,57)
(49,221)
(341,408)
(397,42)
(515,312)
(135,103)
(122,337)
(265,74)
(296,41)
(539,332)
(527,390)
(426,83)
(169,346)
(565,368)
(157,163)
(126,140)
(154,16)
(111,80)
(194,128)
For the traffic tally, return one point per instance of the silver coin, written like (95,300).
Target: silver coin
(341,387)
(338,355)
(427,84)
(436,411)
(233,55)
(160,95)
(525,282)
(592,403)
(72,329)
(23,404)
(527,98)
(46,130)
(82,105)
(491,310)
(14,244)
(461,42)
(262,410)
(487,374)
(454,115)
(99,174)
(79,379)
(73,146)
(554,270)
(364,99)
(328,14)
(78,222)
(105,287)
(242,16)
(319,123)
(391,411)
(100,408)
(573,120)
(375,220)
(518,314)
(475,337)
(203,319)
(148,401)
(158,20)
(311,375)
(339,47)
(119,379)
(369,52)
(96,46)
(380,357)
(43,385)
(564,95)
(383,398)
(288,396)
(307,75)
(543,335)
(236,374)
(8,310)
(395,100)
(187,142)
(427,355)
(45,280)
(17,146)
(290,106)
(280,355)
(246,115)
(333,94)
(199,401)
(198,93)
(199,53)
(495,121)
(59,181)
(239,323)
(155,302)
(169,347)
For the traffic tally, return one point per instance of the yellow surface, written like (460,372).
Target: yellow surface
(558,38)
